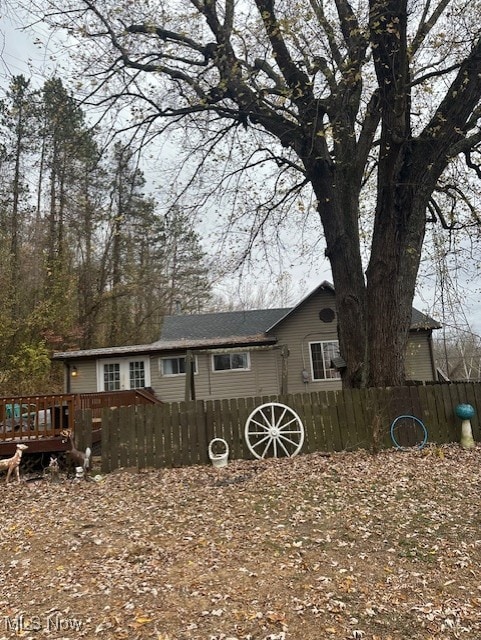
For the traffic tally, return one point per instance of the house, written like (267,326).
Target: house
(237,354)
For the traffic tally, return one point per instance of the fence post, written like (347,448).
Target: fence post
(83,429)
(106,451)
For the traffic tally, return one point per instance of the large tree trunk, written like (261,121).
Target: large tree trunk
(391,280)
(374,315)
(398,225)
(338,199)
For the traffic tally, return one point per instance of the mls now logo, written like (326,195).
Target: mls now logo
(20,624)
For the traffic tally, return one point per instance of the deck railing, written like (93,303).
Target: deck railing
(113,399)
(44,416)
(36,417)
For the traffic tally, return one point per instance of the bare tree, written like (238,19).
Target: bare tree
(241,295)
(338,97)
(458,354)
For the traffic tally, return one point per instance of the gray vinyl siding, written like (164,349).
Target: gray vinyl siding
(262,378)
(418,356)
(156,380)
(86,379)
(297,332)
(167,388)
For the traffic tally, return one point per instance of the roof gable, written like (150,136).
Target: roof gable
(419,320)
(324,286)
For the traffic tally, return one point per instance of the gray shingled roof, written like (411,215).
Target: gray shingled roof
(420,320)
(220,325)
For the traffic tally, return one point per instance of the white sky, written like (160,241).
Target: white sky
(20,54)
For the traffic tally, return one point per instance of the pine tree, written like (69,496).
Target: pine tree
(18,127)
(185,264)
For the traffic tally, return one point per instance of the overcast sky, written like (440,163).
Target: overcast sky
(19,54)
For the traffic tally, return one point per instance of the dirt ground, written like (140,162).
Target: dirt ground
(384,547)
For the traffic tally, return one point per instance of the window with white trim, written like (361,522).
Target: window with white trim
(137,374)
(111,377)
(175,366)
(321,355)
(230,361)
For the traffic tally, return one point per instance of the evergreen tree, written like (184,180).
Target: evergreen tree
(17,111)
(185,264)
(95,259)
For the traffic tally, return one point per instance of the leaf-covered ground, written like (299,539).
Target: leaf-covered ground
(384,547)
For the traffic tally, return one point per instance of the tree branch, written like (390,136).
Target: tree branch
(472,165)
(297,81)
(329,31)
(435,74)
(426,25)
(368,130)
(465,144)
(447,127)
(229,18)
(388,26)
(165,35)
(354,38)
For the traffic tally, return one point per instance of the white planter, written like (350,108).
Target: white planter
(219,459)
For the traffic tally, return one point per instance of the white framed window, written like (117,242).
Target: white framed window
(321,354)
(123,373)
(111,377)
(137,374)
(174,366)
(231,361)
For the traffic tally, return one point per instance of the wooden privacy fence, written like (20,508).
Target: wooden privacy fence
(178,434)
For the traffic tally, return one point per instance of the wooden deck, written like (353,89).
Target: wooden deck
(38,420)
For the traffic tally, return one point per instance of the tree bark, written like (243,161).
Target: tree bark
(338,207)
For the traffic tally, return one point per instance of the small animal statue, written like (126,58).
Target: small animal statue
(13,463)
(78,458)
(53,470)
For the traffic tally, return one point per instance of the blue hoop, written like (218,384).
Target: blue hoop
(420,423)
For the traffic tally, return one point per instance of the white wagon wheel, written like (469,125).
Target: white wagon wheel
(274,429)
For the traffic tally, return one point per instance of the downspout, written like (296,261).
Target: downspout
(67,384)
(284,374)
(431,354)
(189,376)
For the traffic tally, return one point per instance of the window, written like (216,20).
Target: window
(230,361)
(175,366)
(116,375)
(137,374)
(321,355)
(112,377)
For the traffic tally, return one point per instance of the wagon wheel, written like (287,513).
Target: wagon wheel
(274,429)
